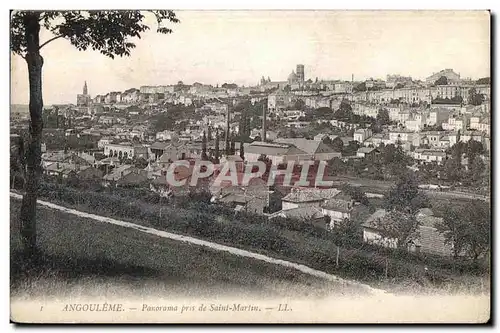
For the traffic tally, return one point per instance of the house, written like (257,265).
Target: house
(432,138)
(372,233)
(90,159)
(59,169)
(367,152)
(252,197)
(120,150)
(276,152)
(53,156)
(306,197)
(465,136)
(361,134)
(426,239)
(182,175)
(337,209)
(125,175)
(317,150)
(108,162)
(450,75)
(141,151)
(424,156)
(310,214)
(429,239)
(165,135)
(103,142)
(437,117)
(401,135)
(88,173)
(457,123)
(293,115)
(323,136)
(173,151)
(484,125)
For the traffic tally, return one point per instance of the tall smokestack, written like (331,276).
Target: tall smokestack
(228,115)
(264,123)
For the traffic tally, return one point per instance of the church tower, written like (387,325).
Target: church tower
(83,99)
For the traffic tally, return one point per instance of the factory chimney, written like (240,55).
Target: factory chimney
(264,123)
(228,115)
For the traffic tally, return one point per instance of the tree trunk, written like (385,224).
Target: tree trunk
(34,151)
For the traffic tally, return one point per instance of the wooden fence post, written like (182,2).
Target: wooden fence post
(337,259)
(386,267)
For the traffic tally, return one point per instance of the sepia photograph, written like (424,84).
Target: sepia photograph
(250,166)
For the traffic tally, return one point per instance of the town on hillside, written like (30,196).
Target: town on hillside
(368,133)
(318,182)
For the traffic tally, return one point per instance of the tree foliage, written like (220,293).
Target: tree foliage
(405,196)
(337,144)
(399,226)
(383,117)
(484,80)
(360,87)
(443,80)
(356,194)
(106,31)
(467,228)
(475,98)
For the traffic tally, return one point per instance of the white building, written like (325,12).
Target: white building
(361,134)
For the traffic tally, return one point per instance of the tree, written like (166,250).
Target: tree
(475,98)
(299,104)
(337,144)
(204,155)
(442,81)
(345,106)
(474,148)
(399,86)
(346,230)
(467,229)
(267,161)
(405,197)
(217,153)
(336,166)
(453,166)
(398,225)
(323,113)
(229,86)
(109,32)
(360,87)
(355,193)
(344,111)
(242,148)
(232,149)
(383,117)
(484,80)
(209,133)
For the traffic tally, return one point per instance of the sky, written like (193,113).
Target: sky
(215,47)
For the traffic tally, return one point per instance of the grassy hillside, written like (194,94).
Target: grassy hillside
(82,257)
